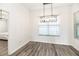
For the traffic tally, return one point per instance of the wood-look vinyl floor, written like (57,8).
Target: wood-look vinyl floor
(3,47)
(40,49)
(47,49)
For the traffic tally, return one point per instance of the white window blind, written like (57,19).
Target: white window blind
(49,28)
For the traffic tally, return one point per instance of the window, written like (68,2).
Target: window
(48,27)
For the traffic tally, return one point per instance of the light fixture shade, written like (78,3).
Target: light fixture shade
(50,18)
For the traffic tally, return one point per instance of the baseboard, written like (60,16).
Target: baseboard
(75,50)
(51,42)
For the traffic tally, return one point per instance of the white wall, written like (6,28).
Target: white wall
(64,17)
(18,26)
(74,41)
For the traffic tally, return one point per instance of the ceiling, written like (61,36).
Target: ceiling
(40,5)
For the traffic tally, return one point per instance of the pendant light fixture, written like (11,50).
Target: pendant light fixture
(48,18)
